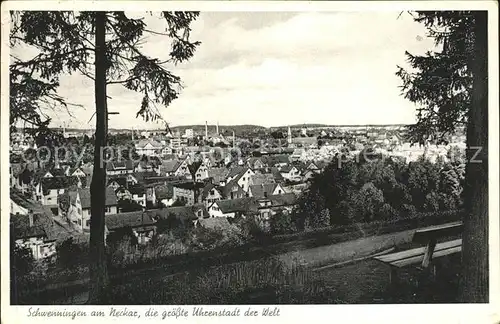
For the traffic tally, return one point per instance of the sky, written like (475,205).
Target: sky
(274,69)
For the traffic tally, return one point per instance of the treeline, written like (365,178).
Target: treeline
(374,187)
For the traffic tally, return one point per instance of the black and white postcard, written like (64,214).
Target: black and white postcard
(234,161)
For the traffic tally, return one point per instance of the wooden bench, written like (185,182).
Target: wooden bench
(422,257)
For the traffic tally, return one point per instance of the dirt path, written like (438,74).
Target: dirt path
(340,252)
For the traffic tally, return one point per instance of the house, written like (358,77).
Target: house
(166,150)
(286,200)
(123,194)
(233,190)
(22,176)
(265,190)
(241,175)
(21,204)
(50,188)
(151,195)
(77,172)
(119,167)
(218,176)
(87,169)
(33,226)
(32,231)
(233,207)
(56,172)
(298,154)
(170,217)
(261,178)
(199,171)
(277,160)
(211,194)
(255,163)
(149,147)
(290,173)
(164,194)
(309,174)
(174,168)
(145,165)
(312,166)
(140,223)
(208,160)
(268,206)
(276,174)
(117,181)
(140,177)
(189,193)
(138,193)
(74,205)
(308,142)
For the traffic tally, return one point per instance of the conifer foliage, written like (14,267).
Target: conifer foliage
(450,88)
(107,48)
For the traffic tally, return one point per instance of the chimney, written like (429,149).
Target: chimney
(206,130)
(217,128)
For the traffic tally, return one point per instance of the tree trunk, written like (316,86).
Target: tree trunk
(474,281)
(97,267)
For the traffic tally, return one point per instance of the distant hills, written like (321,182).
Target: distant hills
(238,128)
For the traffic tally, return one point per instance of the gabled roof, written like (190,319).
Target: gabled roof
(20,225)
(120,180)
(321,164)
(277,175)
(120,165)
(164,191)
(218,174)
(237,205)
(183,213)
(237,171)
(167,157)
(43,226)
(73,170)
(57,172)
(137,189)
(272,160)
(189,185)
(287,199)
(263,190)
(252,160)
(88,170)
(143,143)
(208,187)
(193,167)
(287,168)
(142,176)
(28,203)
(60,182)
(84,194)
(85,197)
(228,188)
(169,166)
(145,164)
(261,178)
(131,219)
(215,223)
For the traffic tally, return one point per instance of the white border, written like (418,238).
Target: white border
(458,313)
